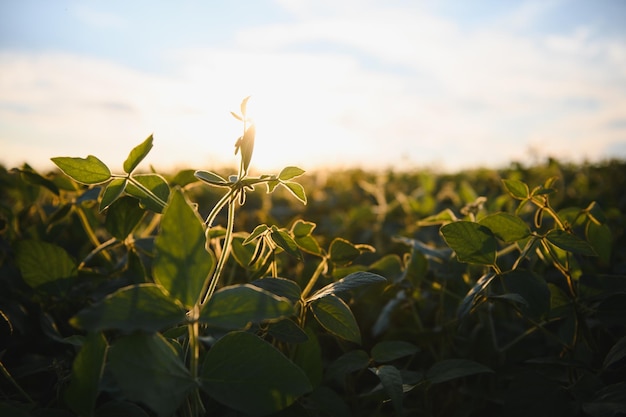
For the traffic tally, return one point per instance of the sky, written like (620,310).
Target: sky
(446,84)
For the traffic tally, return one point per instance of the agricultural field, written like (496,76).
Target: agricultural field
(347,293)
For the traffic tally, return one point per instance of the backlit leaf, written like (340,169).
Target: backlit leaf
(570,242)
(282,287)
(296,189)
(506,227)
(286,242)
(137,155)
(211,178)
(88,170)
(123,216)
(112,191)
(336,317)
(154,183)
(248,374)
(472,242)
(236,306)
(182,263)
(517,189)
(349,282)
(289,173)
(302,228)
(42,262)
(343,252)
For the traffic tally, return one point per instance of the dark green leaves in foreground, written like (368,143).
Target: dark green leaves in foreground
(140,358)
(138,307)
(250,375)
(87,370)
(182,263)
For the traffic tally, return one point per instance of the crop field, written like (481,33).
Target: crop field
(346,293)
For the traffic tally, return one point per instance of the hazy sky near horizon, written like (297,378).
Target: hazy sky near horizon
(447,84)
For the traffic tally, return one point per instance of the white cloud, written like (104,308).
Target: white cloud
(397,86)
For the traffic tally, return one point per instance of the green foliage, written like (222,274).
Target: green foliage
(194,294)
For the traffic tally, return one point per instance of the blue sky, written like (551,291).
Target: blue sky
(403,84)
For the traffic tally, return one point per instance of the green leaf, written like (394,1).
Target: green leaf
(123,216)
(137,155)
(302,228)
(351,361)
(391,380)
(506,227)
(390,350)
(570,242)
(282,287)
(148,370)
(450,369)
(248,374)
(290,172)
(246,144)
(87,370)
(599,236)
(349,282)
(143,307)
(443,217)
(88,170)
(336,317)
(154,183)
(182,263)
(211,178)
(296,189)
(308,356)
(42,263)
(112,191)
(236,306)
(308,244)
(533,289)
(284,240)
(287,331)
(343,252)
(517,189)
(258,231)
(472,242)
(616,354)
(475,295)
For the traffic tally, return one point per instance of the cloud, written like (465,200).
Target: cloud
(371,86)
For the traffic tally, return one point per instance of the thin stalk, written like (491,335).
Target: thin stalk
(90,232)
(17,386)
(195,403)
(318,271)
(218,207)
(212,282)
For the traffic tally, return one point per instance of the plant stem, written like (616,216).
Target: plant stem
(212,282)
(318,271)
(90,232)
